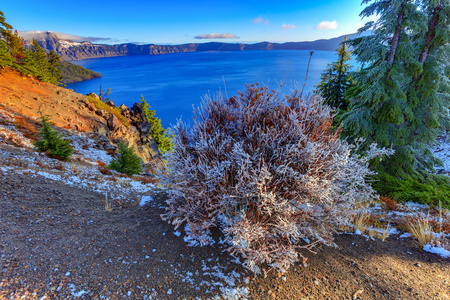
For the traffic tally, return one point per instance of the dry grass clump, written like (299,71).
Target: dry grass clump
(58,167)
(104,171)
(23,123)
(361,221)
(269,172)
(391,204)
(420,228)
(100,163)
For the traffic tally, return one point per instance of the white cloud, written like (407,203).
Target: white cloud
(217,36)
(260,20)
(287,26)
(327,25)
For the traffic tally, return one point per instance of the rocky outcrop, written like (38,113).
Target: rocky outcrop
(111,131)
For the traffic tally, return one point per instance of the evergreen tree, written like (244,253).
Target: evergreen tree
(4,27)
(399,99)
(40,58)
(127,162)
(5,56)
(16,46)
(52,141)
(54,67)
(162,136)
(336,79)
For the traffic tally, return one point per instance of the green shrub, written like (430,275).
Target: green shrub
(163,137)
(128,162)
(52,142)
(436,188)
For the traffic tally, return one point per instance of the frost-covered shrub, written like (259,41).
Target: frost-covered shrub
(268,172)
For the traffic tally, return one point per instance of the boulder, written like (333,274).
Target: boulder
(90,106)
(101,112)
(114,123)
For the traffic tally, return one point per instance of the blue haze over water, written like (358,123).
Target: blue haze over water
(173,83)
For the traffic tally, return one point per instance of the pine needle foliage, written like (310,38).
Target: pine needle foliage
(162,136)
(402,97)
(268,172)
(336,79)
(52,142)
(128,162)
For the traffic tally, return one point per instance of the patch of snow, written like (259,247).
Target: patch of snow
(145,199)
(405,235)
(437,250)
(177,233)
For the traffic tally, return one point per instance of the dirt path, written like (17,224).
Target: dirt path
(58,242)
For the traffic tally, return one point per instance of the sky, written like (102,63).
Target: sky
(178,22)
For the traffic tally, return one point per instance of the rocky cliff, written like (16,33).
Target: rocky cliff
(68,110)
(70,50)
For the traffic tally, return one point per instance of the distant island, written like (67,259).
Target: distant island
(69,50)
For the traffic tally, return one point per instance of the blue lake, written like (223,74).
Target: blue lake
(173,83)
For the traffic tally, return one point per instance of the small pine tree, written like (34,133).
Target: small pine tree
(162,136)
(52,141)
(128,162)
(336,79)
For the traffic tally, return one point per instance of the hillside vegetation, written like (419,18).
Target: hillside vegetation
(71,72)
(32,59)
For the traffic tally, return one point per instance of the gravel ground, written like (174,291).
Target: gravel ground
(57,241)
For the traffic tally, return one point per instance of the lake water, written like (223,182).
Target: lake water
(173,83)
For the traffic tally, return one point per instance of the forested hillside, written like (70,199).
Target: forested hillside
(32,59)
(71,72)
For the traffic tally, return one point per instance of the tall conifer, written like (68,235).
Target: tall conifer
(40,58)
(398,101)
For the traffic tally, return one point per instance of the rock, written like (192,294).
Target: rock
(111,103)
(144,127)
(102,112)
(108,146)
(113,123)
(153,148)
(90,106)
(123,107)
(101,129)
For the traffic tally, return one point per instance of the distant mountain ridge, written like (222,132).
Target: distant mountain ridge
(70,50)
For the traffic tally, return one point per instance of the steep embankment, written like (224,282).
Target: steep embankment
(26,95)
(69,50)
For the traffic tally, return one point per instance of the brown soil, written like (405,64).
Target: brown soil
(26,95)
(57,241)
